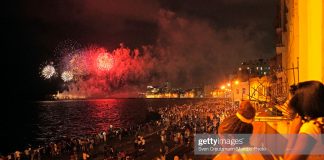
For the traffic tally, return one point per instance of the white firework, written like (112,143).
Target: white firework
(67,76)
(48,71)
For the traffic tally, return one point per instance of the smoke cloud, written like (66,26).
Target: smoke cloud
(194,53)
(188,53)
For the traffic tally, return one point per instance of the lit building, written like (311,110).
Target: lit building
(193,93)
(248,80)
(209,90)
(260,89)
(253,68)
(68,95)
(167,92)
(301,39)
(188,94)
(218,93)
(240,91)
(300,44)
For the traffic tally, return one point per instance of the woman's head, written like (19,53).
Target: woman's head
(246,110)
(308,99)
(239,123)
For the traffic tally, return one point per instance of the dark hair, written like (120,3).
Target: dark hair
(233,125)
(308,99)
(246,110)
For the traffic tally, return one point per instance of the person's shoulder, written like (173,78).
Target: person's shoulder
(226,156)
(237,157)
(310,127)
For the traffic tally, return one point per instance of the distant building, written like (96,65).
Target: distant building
(253,68)
(165,91)
(258,80)
(208,90)
(240,91)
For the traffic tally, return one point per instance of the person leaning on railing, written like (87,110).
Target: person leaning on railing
(241,123)
(307,105)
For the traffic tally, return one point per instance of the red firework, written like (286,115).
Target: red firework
(105,61)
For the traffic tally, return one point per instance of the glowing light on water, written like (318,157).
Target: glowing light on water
(48,71)
(67,76)
(105,61)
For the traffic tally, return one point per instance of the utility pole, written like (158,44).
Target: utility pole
(232,94)
(249,83)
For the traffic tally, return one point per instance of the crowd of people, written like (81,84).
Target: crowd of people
(178,125)
(75,148)
(182,122)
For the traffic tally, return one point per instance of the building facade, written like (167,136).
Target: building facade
(301,39)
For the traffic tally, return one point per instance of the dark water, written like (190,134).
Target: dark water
(40,122)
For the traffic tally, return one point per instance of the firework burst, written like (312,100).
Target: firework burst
(105,61)
(67,76)
(48,71)
(77,65)
(66,47)
(96,72)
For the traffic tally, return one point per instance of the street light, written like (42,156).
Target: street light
(229,84)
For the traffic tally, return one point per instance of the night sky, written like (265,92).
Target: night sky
(213,37)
